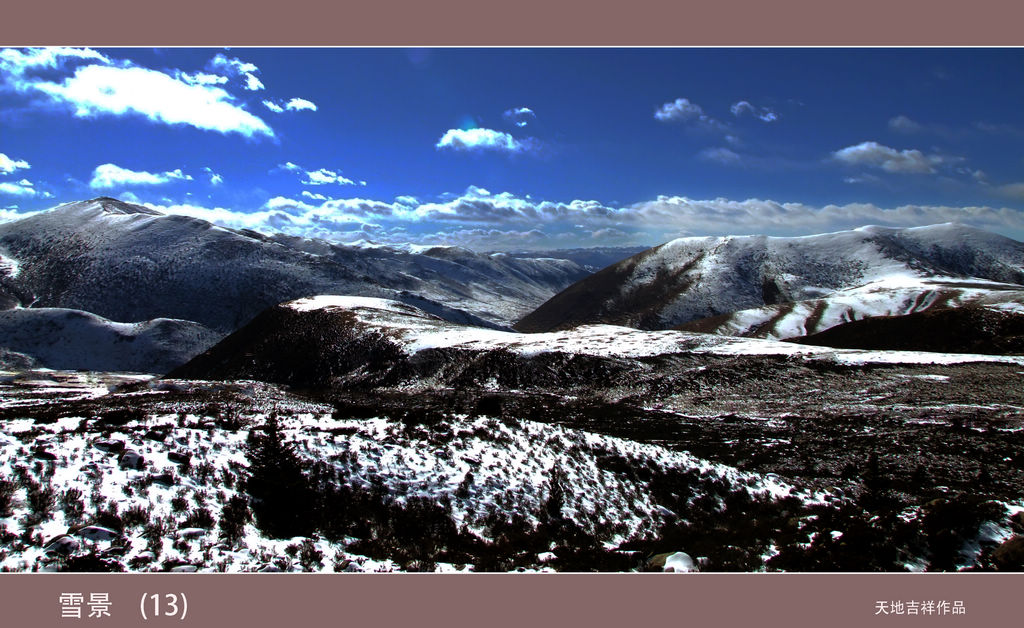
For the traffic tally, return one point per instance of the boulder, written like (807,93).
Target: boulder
(110,446)
(178,457)
(63,545)
(97,533)
(130,459)
(1009,556)
(673,562)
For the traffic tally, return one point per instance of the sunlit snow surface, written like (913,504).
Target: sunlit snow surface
(511,462)
(417,330)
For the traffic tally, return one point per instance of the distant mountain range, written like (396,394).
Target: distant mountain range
(790,287)
(108,285)
(112,261)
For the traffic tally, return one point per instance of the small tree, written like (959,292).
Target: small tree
(283,501)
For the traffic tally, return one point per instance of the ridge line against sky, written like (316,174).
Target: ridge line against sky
(521,148)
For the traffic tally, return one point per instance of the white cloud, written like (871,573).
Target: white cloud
(295,104)
(14,63)
(299,104)
(485,220)
(520,116)
(215,179)
(873,154)
(201,78)
(110,176)
(470,140)
(22,188)
(679,109)
(8,165)
(321,176)
(763,113)
(252,83)
(314,196)
(231,66)
(98,89)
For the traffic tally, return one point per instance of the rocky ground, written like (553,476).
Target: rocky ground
(706,462)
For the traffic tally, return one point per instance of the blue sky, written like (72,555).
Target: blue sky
(521,148)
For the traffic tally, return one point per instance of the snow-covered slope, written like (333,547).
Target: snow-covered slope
(72,339)
(127,262)
(355,342)
(695,278)
(892,296)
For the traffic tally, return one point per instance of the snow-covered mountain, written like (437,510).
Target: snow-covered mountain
(131,263)
(780,287)
(71,339)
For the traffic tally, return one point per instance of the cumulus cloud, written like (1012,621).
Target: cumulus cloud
(321,176)
(111,176)
(22,188)
(314,196)
(106,90)
(474,140)
(520,116)
(763,114)
(679,109)
(273,106)
(8,165)
(873,154)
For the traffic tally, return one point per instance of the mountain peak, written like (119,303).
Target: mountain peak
(112,205)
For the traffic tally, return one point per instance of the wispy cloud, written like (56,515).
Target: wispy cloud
(215,179)
(23,188)
(763,114)
(8,165)
(295,104)
(476,140)
(108,176)
(235,67)
(721,155)
(1012,190)
(320,176)
(683,111)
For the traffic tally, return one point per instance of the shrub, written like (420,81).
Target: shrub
(7,489)
(233,518)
